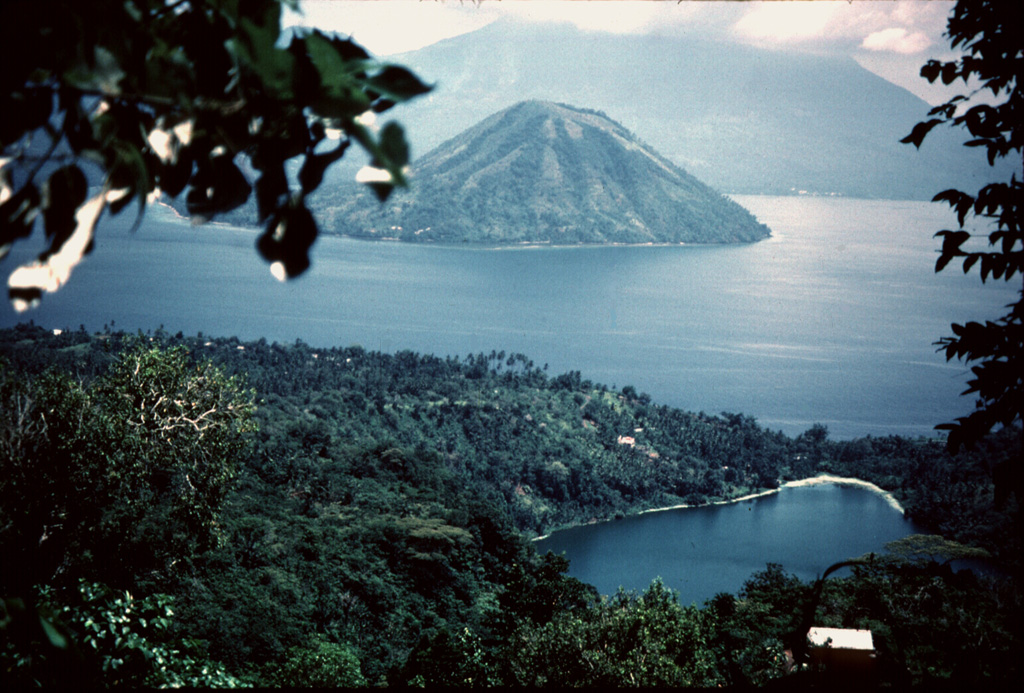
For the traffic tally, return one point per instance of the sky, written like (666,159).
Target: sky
(892,38)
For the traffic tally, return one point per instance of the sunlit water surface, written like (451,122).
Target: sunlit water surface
(831,320)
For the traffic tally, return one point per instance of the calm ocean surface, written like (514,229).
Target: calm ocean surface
(831,320)
(703,551)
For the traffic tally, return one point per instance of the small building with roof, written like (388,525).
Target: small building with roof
(842,651)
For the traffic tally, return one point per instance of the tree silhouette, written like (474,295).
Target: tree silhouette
(989,34)
(167,96)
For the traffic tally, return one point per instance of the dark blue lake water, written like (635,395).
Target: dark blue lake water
(703,551)
(831,320)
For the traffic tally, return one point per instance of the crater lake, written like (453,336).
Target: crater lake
(700,552)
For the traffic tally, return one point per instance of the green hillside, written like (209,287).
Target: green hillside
(373,528)
(540,172)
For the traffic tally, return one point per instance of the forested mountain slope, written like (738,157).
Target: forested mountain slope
(540,172)
(377,529)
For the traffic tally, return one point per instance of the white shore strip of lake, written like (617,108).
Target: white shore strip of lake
(809,481)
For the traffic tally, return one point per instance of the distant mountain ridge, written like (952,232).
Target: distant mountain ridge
(541,172)
(742,119)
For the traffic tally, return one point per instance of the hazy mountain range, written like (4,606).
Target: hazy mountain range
(742,119)
(739,118)
(540,172)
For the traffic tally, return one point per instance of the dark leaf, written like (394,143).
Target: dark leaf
(920,131)
(987,267)
(948,110)
(930,70)
(317,132)
(953,197)
(349,49)
(982,121)
(1009,241)
(998,265)
(256,45)
(951,242)
(271,190)
(313,168)
(398,83)
(127,168)
(381,105)
(381,190)
(394,147)
(23,112)
(950,71)
(66,190)
(361,134)
(31,295)
(960,201)
(217,186)
(340,94)
(173,177)
(76,127)
(305,78)
(287,239)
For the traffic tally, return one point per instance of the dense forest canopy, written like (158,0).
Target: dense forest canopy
(377,526)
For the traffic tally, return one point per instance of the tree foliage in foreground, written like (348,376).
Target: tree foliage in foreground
(96,637)
(626,640)
(988,31)
(106,480)
(177,98)
(122,476)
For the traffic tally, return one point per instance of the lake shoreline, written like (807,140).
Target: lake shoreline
(809,481)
